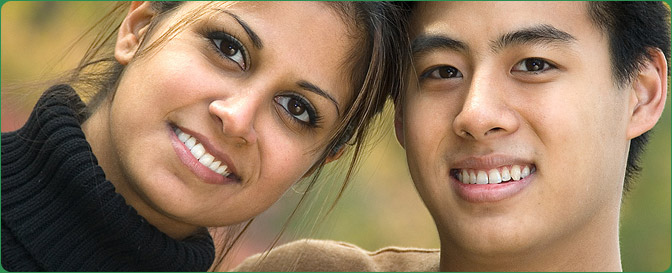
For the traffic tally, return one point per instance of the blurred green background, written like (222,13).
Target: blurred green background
(380,207)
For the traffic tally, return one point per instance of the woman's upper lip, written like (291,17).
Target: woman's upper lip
(488,161)
(212,149)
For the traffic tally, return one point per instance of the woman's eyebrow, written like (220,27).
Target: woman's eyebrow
(314,89)
(256,41)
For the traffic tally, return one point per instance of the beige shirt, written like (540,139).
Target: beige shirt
(322,255)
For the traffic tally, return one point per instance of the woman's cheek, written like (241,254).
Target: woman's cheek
(291,161)
(197,82)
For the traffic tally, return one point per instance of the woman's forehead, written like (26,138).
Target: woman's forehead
(315,43)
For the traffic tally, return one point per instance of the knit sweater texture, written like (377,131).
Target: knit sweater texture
(59,213)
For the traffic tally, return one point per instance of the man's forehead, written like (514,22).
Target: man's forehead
(435,17)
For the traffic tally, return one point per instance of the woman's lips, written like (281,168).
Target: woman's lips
(200,161)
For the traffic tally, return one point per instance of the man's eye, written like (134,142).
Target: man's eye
(442,72)
(534,65)
(229,47)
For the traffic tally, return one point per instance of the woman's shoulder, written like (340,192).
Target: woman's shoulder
(326,255)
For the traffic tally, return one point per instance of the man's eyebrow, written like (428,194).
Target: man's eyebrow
(253,36)
(425,43)
(314,89)
(542,34)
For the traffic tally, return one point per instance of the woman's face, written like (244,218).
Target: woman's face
(213,126)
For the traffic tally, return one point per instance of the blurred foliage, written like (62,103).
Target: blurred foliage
(379,208)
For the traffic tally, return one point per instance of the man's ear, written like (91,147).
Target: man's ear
(649,94)
(399,123)
(132,30)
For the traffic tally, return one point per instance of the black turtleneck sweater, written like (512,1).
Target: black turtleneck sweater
(59,213)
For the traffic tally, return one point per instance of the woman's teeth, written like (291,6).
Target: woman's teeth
(494,176)
(198,151)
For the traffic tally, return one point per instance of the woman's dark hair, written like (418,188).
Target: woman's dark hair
(633,28)
(380,56)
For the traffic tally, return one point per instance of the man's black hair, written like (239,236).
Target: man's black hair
(633,28)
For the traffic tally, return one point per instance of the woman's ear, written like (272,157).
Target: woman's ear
(649,93)
(336,154)
(399,123)
(132,30)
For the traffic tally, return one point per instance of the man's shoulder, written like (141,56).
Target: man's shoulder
(326,255)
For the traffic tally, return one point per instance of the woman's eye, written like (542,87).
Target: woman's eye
(298,107)
(534,65)
(443,72)
(229,47)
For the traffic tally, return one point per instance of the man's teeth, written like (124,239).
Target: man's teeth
(494,176)
(199,153)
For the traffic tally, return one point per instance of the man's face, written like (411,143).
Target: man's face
(514,129)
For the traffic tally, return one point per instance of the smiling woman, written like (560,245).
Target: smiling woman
(203,115)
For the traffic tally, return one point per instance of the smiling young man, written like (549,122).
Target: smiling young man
(522,125)
(535,106)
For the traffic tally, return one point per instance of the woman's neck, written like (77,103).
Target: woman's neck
(98,133)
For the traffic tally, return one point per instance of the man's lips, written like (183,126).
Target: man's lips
(497,175)
(491,178)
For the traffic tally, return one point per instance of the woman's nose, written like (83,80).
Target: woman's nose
(237,117)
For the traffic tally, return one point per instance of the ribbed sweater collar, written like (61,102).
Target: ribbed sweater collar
(57,204)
